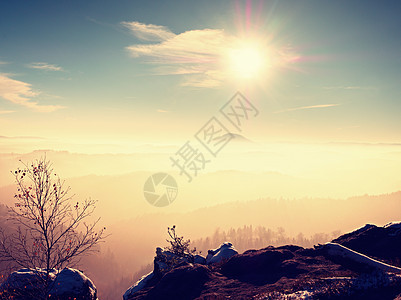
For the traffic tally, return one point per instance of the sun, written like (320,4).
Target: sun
(246,61)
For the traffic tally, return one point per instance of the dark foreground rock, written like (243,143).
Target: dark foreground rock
(264,266)
(383,243)
(184,282)
(290,272)
(28,284)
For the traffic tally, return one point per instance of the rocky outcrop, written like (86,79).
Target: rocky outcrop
(382,243)
(166,262)
(27,284)
(263,266)
(72,284)
(183,282)
(188,268)
(329,271)
(340,252)
(139,285)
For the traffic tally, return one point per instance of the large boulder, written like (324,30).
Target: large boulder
(262,266)
(223,253)
(356,260)
(164,261)
(382,243)
(27,284)
(72,284)
(139,285)
(184,282)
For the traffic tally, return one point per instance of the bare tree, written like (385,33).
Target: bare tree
(50,229)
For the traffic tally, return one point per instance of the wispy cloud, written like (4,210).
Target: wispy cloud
(196,53)
(199,55)
(4,112)
(307,107)
(189,47)
(3,62)
(162,111)
(21,93)
(22,137)
(45,66)
(350,87)
(349,127)
(149,32)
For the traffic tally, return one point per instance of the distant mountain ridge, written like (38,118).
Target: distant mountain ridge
(238,138)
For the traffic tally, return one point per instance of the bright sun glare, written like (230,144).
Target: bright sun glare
(246,62)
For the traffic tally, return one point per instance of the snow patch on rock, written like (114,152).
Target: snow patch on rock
(26,281)
(139,285)
(65,284)
(73,283)
(224,252)
(396,225)
(394,228)
(335,249)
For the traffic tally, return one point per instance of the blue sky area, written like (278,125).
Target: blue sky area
(157,70)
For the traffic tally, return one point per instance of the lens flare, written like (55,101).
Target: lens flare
(246,61)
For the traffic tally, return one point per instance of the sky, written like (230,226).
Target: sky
(109,92)
(124,73)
